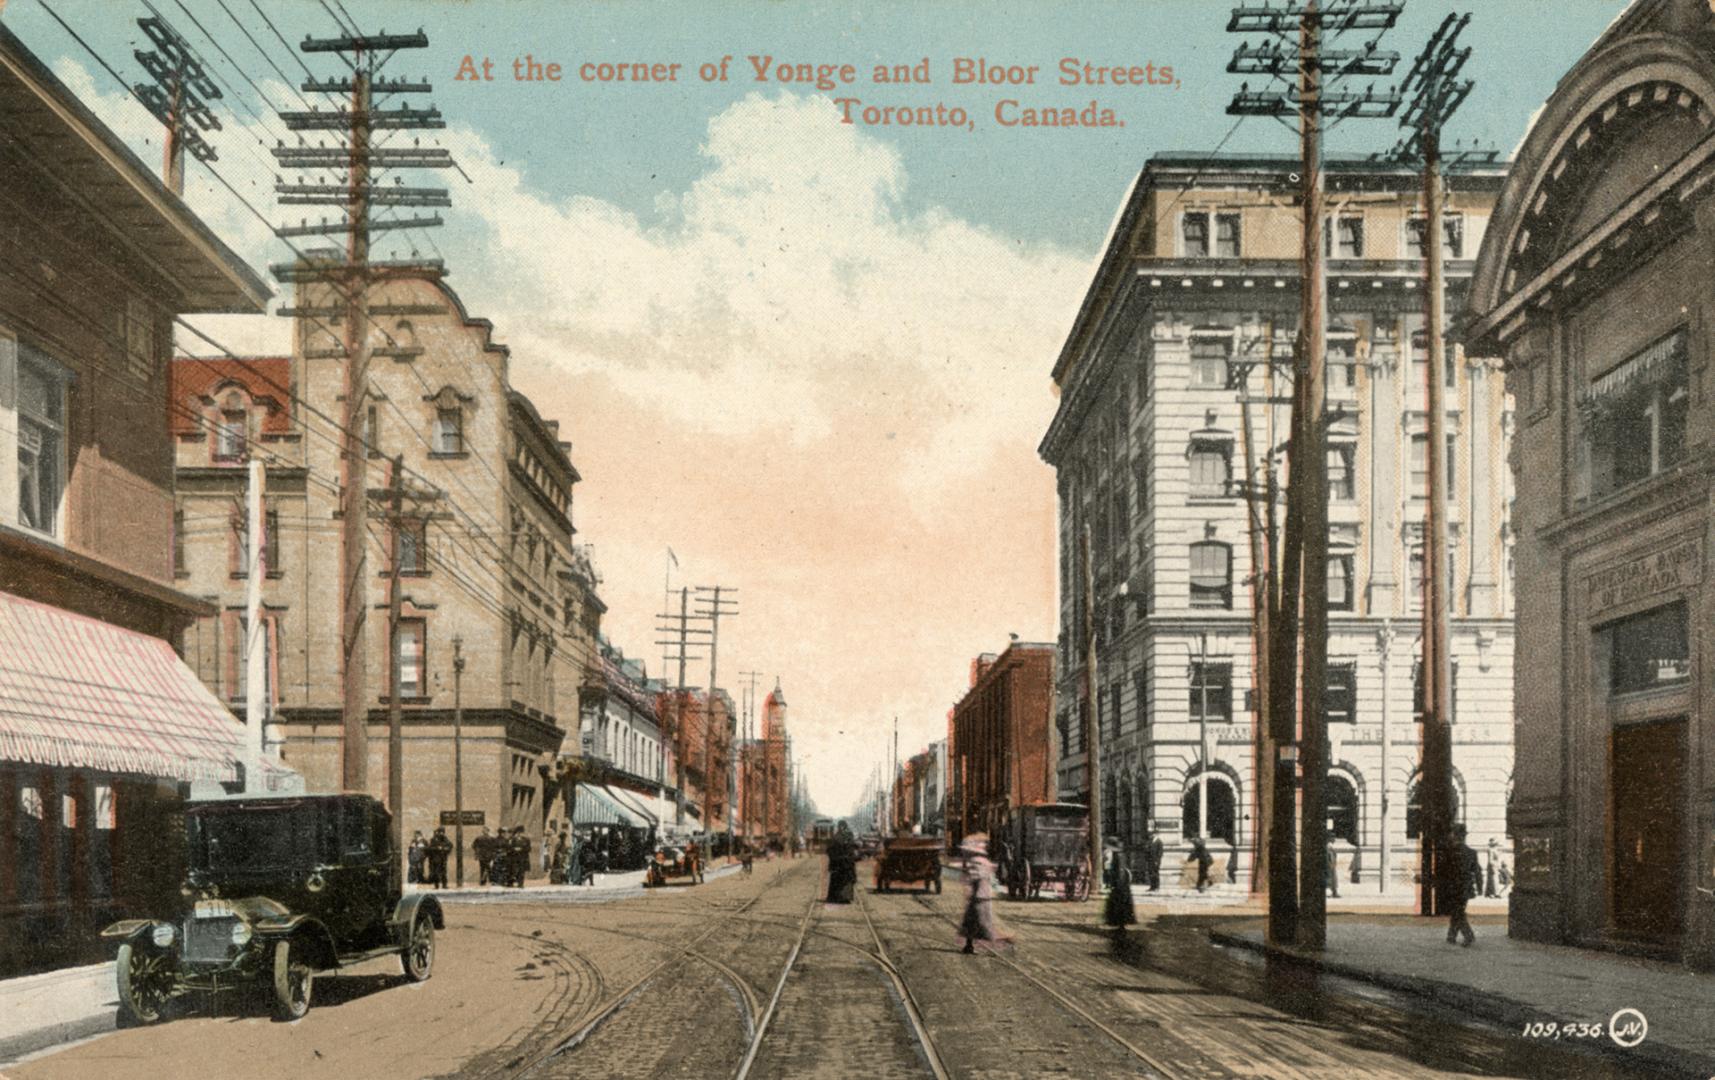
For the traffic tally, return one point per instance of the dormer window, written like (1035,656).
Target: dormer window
(231,429)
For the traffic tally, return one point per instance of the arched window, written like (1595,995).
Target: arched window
(1414,807)
(1222,820)
(231,429)
(1211,574)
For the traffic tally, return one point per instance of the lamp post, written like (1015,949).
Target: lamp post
(458,754)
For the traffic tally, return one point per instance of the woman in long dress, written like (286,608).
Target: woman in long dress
(978,923)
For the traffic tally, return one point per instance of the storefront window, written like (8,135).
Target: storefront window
(1647,651)
(1634,416)
(27,828)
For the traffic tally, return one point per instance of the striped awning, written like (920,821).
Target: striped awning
(634,804)
(76,692)
(595,806)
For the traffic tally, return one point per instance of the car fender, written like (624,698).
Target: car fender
(126,929)
(319,939)
(405,914)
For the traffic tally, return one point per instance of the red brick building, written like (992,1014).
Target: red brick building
(102,722)
(1000,752)
(697,744)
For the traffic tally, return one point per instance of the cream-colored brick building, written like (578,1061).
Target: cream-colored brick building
(1198,283)
(492,562)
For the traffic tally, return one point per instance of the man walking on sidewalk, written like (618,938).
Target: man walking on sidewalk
(1456,884)
(1156,854)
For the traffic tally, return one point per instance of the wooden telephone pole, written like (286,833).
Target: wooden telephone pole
(1295,52)
(349,280)
(677,649)
(178,97)
(1437,91)
(717,601)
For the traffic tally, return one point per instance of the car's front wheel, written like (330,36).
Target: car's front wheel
(293,979)
(418,956)
(145,977)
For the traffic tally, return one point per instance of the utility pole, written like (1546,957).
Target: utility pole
(398,522)
(178,97)
(1303,62)
(349,280)
(1273,786)
(716,605)
(1437,92)
(256,697)
(677,649)
(750,799)
(1092,726)
(458,754)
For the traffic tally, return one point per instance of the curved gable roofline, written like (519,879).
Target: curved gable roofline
(465,318)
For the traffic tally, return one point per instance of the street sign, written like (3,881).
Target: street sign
(471,817)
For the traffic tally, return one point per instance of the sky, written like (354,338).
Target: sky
(812,357)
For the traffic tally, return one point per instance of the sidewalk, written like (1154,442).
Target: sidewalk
(38,1011)
(607,887)
(1515,983)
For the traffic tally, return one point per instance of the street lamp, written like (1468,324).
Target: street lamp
(458,754)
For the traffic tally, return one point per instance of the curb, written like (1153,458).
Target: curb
(13,1047)
(1495,1008)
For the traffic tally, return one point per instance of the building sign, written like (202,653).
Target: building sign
(1673,567)
(471,817)
(1533,861)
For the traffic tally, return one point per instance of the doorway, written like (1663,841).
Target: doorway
(1648,855)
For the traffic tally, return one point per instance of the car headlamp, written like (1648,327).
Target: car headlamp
(162,935)
(241,933)
(316,883)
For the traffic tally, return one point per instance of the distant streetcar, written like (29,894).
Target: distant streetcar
(821,831)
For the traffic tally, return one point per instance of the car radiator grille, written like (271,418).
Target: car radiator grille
(208,939)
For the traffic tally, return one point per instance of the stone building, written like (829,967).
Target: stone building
(490,563)
(620,741)
(1169,414)
(102,724)
(999,750)
(1597,283)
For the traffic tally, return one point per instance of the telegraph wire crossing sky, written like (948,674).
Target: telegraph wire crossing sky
(811,356)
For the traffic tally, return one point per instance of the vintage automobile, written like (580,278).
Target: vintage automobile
(1045,844)
(277,890)
(673,862)
(909,859)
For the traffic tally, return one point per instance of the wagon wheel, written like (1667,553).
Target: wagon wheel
(1078,884)
(418,955)
(293,979)
(145,979)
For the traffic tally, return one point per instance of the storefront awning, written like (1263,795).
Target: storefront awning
(596,806)
(76,692)
(636,804)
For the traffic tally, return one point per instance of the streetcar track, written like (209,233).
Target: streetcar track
(1072,1006)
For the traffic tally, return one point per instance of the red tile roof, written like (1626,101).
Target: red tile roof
(267,379)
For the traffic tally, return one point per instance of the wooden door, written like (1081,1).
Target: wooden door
(1648,855)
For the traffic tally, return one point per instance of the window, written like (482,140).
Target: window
(1420,465)
(1420,364)
(413,641)
(449,430)
(1648,651)
(1212,691)
(1194,234)
(1343,237)
(1227,236)
(1209,356)
(1114,693)
(1211,468)
(413,550)
(137,327)
(372,431)
(179,542)
(1417,691)
(1452,236)
(1140,478)
(1340,582)
(240,557)
(1634,416)
(1340,693)
(1342,802)
(1140,697)
(229,434)
(1211,575)
(41,447)
(1342,472)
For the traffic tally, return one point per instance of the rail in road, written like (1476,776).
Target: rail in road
(829,993)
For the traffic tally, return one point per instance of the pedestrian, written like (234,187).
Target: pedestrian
(414,858)
(483,849)
(1200,852)
(842,866)
(1357,861)
(1232,862)
(1156,854)
(1331,871)
(978,922)
(1506,879)
(1455,883)
(520,856)
(1120,911)
(1489,870)
(561,864)
(439,848)
(548,845)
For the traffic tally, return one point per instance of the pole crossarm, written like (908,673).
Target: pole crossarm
(399,85)
(339,157)
(1333,17)
(328,194)
(365,42)
(340,119)
(1341,104)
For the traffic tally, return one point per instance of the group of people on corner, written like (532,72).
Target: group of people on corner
(426,861)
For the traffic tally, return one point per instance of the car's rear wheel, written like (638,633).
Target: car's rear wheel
(418,956)
(293,979)
(145,979)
